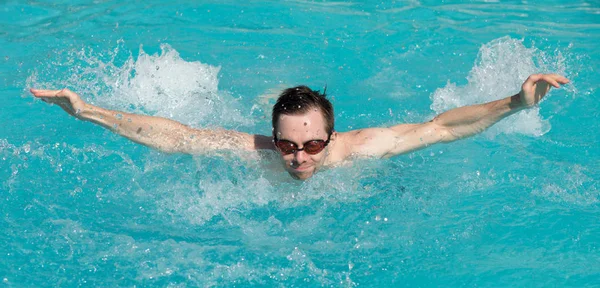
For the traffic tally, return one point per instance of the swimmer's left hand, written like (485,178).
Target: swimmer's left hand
(536,87)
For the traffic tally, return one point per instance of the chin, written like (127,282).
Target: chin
(301,175)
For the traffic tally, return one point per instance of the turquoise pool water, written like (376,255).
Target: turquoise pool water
(517,206)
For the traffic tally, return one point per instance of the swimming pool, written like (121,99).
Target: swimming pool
(515,206)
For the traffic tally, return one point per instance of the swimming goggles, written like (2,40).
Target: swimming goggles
(311,147)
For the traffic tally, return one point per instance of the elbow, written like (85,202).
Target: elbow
(168,149)
(448,134)
(172,146)
(443,133)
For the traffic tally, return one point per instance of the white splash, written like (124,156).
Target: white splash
(161,84)
(499,71)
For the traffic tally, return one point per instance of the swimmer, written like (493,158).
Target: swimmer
(303,127)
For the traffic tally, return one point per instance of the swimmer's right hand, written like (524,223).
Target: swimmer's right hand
(65,98)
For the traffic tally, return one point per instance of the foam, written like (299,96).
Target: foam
(569,184)
(218,193)
(162,84)
(501,68)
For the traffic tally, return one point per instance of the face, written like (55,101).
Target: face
(300,129)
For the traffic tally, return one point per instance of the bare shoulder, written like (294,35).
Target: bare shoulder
(369,142)
(378,142)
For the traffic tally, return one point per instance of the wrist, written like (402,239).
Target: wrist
(83,112)
(88,112)
(517,103)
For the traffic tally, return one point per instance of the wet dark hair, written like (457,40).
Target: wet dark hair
(299,100)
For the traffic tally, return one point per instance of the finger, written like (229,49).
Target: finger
(559,78)
(562,80)
(534,78)
(44,93)
(550,79)
(67,92)
(33,90)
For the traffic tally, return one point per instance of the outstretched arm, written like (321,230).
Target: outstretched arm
(451,125)
(156,132)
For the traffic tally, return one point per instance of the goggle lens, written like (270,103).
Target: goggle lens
(311,147)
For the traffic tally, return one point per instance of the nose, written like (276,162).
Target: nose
(300,156)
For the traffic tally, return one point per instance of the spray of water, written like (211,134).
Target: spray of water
(501,67)
(161,84)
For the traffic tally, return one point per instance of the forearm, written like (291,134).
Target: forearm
(466,121)
(156,132)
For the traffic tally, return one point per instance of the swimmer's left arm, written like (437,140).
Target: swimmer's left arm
(467,121)
(451,125)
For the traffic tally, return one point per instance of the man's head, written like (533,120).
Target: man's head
(300,116)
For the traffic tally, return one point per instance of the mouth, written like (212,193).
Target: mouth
(296,167)
(301,168)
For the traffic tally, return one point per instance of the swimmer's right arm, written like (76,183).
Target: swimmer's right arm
(156,132)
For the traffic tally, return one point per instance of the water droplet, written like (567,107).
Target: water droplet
(119,116)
